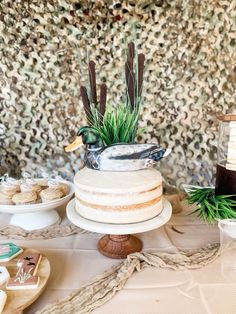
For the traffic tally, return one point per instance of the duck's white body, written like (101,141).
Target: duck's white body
(107,164)
(125,157)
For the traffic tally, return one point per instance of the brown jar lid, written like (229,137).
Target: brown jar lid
(227,117)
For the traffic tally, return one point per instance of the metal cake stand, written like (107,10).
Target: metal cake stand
(118,241)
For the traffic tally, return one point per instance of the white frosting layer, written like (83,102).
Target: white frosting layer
(113,199)
(117,182)
(13,181)
(118,197)
(119,217)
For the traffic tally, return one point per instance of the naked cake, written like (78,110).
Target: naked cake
(118,197)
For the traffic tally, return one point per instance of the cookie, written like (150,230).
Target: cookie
(25,198)
(4,275)
(8,251)
(51,194)
(25,277)
(3,299)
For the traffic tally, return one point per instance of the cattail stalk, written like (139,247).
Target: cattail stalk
(86,102)
(131,51)
(103,98)
(141,59)
(130,84)
(92,80)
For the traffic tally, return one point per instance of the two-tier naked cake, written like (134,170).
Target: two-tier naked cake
(118,197)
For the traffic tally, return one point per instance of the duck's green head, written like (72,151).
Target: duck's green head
(87,136)
(90,136)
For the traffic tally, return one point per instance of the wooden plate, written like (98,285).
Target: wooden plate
(18,300)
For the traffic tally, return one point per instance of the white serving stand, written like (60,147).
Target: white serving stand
(118,241)
(37,216)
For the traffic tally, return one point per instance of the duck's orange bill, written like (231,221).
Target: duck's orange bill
(76,144)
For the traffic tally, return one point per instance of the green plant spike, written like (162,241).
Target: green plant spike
(211,207)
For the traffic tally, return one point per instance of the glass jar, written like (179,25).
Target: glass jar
(228,248)
(226,156)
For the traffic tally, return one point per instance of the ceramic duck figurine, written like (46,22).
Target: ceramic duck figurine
(116,157)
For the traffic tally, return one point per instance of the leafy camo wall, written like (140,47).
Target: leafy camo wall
(190,76)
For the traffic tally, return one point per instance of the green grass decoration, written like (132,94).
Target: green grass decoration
(211,207)
(118,125)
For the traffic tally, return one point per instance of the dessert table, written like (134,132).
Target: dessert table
(75,260)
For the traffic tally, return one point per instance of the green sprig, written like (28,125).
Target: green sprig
(211,207)
(118,125)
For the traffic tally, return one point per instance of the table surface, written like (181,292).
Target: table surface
(75,260)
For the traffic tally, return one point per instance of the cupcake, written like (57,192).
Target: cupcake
(51,194)
(43,183)
(27,187)
(64,187)
(59,185)
(9,188)
(14,182)
(25,198)
(5,198)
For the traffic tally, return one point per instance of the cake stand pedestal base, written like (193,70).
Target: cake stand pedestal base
(35,220)
(118,241)
(119,246)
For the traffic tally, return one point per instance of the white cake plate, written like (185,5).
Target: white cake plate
(118,242)
(37,216)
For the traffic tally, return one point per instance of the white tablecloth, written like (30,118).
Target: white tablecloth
(75,260)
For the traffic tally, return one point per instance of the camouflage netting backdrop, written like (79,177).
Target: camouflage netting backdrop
(190,49)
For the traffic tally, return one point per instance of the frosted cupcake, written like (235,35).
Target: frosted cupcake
(25,198)
(30,185)
(59,185)
(5,198)
(9,188)
(14,182)
(51,194)
(26,188)
(43,183)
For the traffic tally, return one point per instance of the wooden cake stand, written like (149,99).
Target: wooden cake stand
(119,241)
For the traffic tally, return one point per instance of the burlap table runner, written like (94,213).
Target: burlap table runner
(100,290)
(55,231)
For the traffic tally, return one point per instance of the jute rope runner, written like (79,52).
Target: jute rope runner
(100,290)
(55,231)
